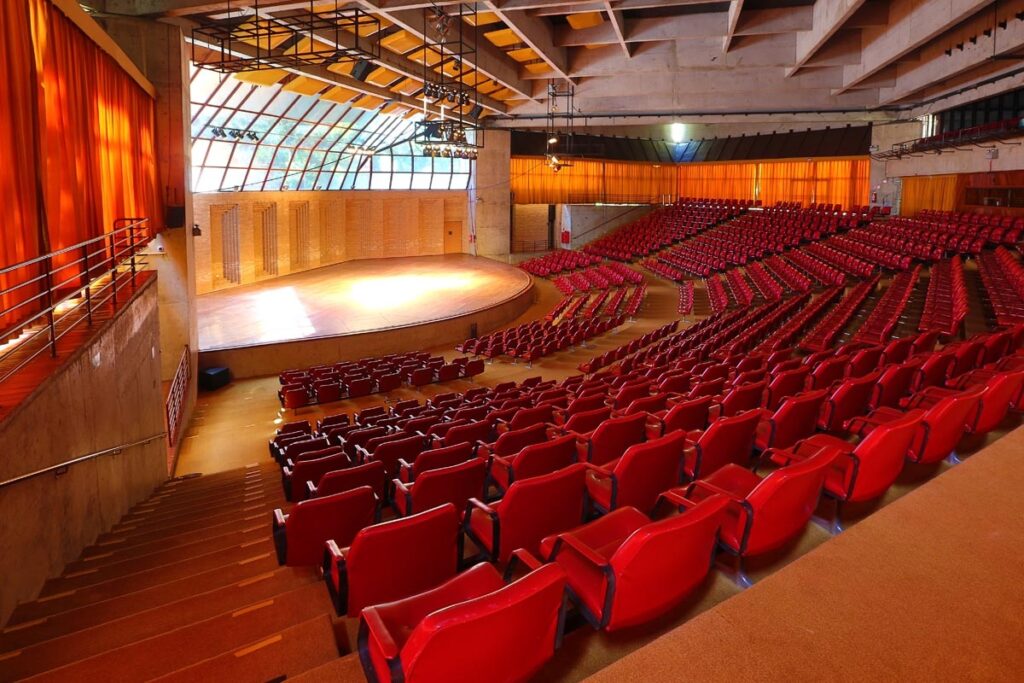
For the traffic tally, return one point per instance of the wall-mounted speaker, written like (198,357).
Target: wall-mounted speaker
(362,69)
(476,111)
(174,217)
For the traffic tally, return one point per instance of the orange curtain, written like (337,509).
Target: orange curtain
(588,181)
(939,192)
(69,105)
(735,180)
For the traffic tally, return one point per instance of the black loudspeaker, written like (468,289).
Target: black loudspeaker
(214,378)
(174,217)
(362,69)
(476,111)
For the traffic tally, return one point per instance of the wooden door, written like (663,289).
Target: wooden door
(453,237)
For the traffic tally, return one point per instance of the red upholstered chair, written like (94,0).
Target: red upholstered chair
(849,400)
(967,355)
(388,382)
(639,476)
(510,443)
(300,535)
(686,415)
(743,397)
(392,560)
(864,361)
(295,475)
(764,513)
(434,459)
(530,510)
(455,484)
(935,369)
(584,422)
(293,396)
(1004,390)
(471,432)
(629,393)
(392,453)
(372,474)
(895,383)
(580,405)
(866,469)
(898,350)
(610,440)
(526,417)
(315,455)
(828,372)
(785,384)
(648,404)
(613,562)
(726,440)
(795,419)
(293,449)
(359,386)
(942,426)
(712,387)
(471,627)
(532,461)
(359,437)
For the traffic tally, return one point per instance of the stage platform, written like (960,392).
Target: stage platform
(354,309)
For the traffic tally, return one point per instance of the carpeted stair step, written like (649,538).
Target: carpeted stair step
(74,612)
(128,580)
(186,513)
(183,647)
(177,505)
(345,669)
(59,648)
(276,657)
(146,532)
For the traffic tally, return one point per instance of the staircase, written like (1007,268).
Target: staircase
(185,587)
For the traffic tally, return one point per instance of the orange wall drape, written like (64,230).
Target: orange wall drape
(939,192)
(842,181)
(94,129)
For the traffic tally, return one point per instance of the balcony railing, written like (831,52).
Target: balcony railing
(56,292)
(989,132)
(176,396)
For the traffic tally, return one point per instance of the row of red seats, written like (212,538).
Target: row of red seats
(899,239)
(739,287)
(1003,278)
(885,316)
(818,269)
(560,337)
(558,261)
(824,334)
(955,232)
(882,256)
(945,304)
(669,272)
(363,366)
(785,273)
(636,300)
(716,294)
(788,332)
(841,260)
(685,306)
(767,286)
(620,352)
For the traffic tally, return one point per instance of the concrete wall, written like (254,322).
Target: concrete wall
(105,395)
(966,160)
(886,189)
(287,232)
(587,222)
(489,197)
(529,224)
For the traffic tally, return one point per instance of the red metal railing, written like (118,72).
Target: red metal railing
(176,396)
(72,283)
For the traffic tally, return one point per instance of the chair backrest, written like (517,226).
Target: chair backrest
(316,455)
(782,504)
(785,384)
(631,392)
(828,372)
(947,421)
(1001,391)
(614,436)
(711,387)
(372,474)
(880,457)
(797,418)
(548,456)
(445,456)
(537,507)
(850,399)
(505,635)
(585,404)
(935,369)
(648,469)
(453,484)
(647,404)
(407,448)
(744,397)
(894,383)
(468,433)
(864,361)
(527,417)
(396,559)
(898,350)
(516,440)
(588,420)
(726,440)
(313,470)
(339,517)
(688,414)
(672,554)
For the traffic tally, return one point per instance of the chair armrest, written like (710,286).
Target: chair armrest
(705,489)
(401,486)
(677,499)
(578,547)
(404,470)
(529,559)
(480,443)
(279,518)
(310,490)
(598,469)
(379,632)
(362,453)
(480,505)
(778,456)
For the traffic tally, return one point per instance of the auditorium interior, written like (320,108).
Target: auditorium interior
(299,298)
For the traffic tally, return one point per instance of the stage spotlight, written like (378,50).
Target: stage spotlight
(678,132)
(553,140)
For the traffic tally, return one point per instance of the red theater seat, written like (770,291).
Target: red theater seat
(372,474)
(726,440)
(610,440)
(300,535)
(392,453)
(510,443)
(294,477)
(636,479)
(794,420)
(849,400)
(894,383)
(471,628)
(785,384)
(743,397)
(613,562)
(530,510)
(533,461)
(686,415)
(455,484)
(392,560)
(471,432)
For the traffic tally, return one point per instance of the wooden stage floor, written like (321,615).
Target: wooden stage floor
(355,297)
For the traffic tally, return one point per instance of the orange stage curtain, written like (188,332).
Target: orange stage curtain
(588,181)
(938,192)
(732,180)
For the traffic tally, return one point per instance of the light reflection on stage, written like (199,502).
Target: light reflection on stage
(354,297)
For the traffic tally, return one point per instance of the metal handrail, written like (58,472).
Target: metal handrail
(176,395)
(60,468)
(120,249)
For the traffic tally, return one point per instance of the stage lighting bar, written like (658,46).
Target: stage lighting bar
(234,133)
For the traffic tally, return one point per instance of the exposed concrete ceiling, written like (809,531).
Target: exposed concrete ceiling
(663,58)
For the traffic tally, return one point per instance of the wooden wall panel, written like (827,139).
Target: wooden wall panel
(295,231)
